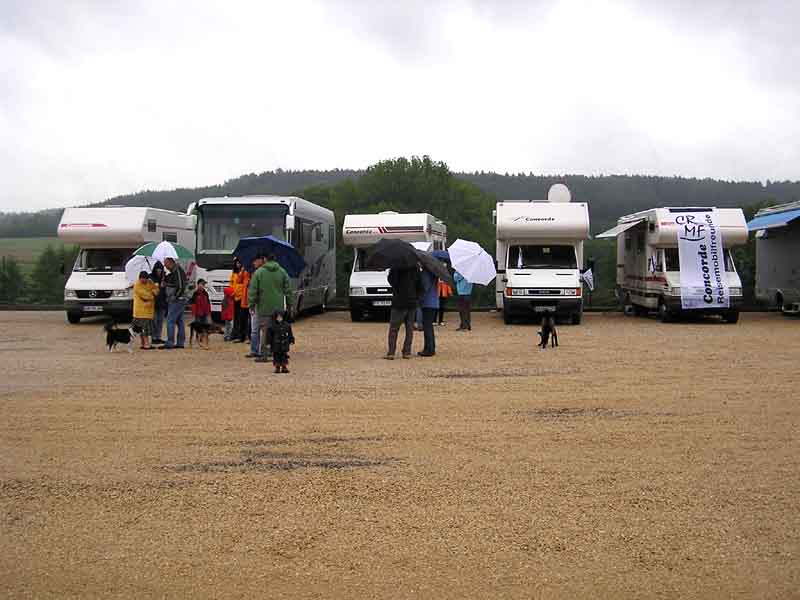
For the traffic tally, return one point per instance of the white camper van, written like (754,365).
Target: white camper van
(107,237)
(540,254)
(370,291)
(648,265)
(778,256)
(310,228)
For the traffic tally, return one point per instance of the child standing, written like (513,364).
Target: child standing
(201,310)
(144,302)
(227,312)
(281,338)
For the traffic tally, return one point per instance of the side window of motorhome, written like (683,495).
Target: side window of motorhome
(542,257)
(673,262)
(640,242)
(102,259)
(331,237)
(170,236)
(628,241)
(151,225)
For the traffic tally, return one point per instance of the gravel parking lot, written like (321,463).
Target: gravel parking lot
(637,459)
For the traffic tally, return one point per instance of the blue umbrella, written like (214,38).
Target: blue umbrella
(441,255)
(286,255)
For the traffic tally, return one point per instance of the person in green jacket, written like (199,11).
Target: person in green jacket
(269,288)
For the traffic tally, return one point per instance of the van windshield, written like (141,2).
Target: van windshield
(360,262)
(102,259)
(542,257)
(673,262)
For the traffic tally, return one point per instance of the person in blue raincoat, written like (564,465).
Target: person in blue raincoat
(430,307)
(464,292)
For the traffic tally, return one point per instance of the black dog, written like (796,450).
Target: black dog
(548,332)
(200,330)
(116,336)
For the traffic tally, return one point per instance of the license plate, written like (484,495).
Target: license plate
(382,303)
(92,309)
(544,309)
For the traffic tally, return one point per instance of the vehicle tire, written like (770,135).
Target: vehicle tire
(664,315)
(732,316)
(74,318)
(324,306)
(507,319)
(576,318)
(779,301)
(356,315)
(628,308)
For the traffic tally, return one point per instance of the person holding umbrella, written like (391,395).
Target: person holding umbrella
(176,284)
(160,309)
(406,289)
(430,307)
(269,291)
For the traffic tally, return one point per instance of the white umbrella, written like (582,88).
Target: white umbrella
(136,265)
(163,251)
(472,261)
(423,246)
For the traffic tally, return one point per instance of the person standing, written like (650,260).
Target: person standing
(445,291)
(406,290)
(430,306)
(239,281)
(464,291)
(255,334)
(269,290)
(144,300)
(160,309)
(176,284)
(226,312)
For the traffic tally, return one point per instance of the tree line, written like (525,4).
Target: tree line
(44,284)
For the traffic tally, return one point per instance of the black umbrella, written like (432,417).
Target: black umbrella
(435,266)
(392,254)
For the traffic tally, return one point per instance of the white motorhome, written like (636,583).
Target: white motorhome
(778,256)
(540,254)
(648,266)
(107,237)
(310,228)
(370,291)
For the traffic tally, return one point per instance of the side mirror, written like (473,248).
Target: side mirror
(289,222)
(494,217)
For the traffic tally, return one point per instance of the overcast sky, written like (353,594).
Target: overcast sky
(111,97)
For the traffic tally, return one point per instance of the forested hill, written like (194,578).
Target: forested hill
(608,196)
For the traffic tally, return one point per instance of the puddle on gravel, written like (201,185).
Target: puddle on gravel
(565,412)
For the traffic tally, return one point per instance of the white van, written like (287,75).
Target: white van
(540,254)
(370,291)
(778,256)
(107,237)
(648,266)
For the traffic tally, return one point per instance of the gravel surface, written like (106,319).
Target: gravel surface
(609,467)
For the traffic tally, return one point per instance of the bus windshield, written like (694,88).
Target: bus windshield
(542,257)
(93,260)
(220,226)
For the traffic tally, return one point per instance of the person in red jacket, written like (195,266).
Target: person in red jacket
(227,313)
(201,309)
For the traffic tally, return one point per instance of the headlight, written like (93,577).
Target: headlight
(68,294)
(121,294)
(358,291)
(571,292)
(735,291)
(517,291)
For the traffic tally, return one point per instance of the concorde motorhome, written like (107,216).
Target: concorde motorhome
(107,238)
(777,231)
(648,264)
(540,254)
(310,228)
(370,291)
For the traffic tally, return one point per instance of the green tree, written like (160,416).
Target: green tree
(12,280)
(47,280)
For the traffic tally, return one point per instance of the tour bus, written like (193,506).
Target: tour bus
(540,254)
(310,228)
(648,266)
(107,237)
(778,256)
(370,291)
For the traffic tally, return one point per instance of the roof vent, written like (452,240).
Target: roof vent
(559,193)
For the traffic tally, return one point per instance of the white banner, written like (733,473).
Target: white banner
(704,283)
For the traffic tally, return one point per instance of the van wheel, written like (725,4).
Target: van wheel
(507,319)
(74,318)
(628,309)
(779,301)
(663,312)
(324,307)
(576,318)
(356,315)
(732,316)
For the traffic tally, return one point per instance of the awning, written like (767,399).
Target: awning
(615,231)
(781,219)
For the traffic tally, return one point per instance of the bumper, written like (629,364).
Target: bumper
(561,306)
(674,305)
(105,307)
(368,303)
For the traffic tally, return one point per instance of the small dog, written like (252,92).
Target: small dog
(548,332)
(116,336)
(200,330)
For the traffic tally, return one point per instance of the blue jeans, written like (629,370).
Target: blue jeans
(159,316)
(175,317)
(254,332)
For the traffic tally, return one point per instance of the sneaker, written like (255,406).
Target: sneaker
(252,355)
(158,342)
(389,357)
(284,369)
(426,353)
(406,356)
(178,347)
(262,359)
(277,369)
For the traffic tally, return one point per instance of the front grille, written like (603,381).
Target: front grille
(93,294)
(379,290)
(544,292)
